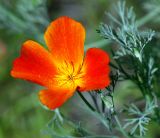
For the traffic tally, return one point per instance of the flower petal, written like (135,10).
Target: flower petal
(95,69)
(34,64)
(65,39)
(54,98)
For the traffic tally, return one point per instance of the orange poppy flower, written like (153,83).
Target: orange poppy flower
(63,68)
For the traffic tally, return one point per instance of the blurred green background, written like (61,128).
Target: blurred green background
(21,114)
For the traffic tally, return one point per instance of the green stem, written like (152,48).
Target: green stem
(120,127)
(86,102)
(95,113)
(148,17)
(95,102)
(99,43)
(114,66)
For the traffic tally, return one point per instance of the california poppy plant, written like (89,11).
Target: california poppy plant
(62,69)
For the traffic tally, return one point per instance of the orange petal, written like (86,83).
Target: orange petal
(65,39)
(34,64)
(96,70)
(54,98)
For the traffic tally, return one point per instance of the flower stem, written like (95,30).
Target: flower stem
(57,112)
(99,43)
(148,17)
(120,127)
(85,101)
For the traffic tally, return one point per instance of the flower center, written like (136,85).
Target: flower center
(70,77)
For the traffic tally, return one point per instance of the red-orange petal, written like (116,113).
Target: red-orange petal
(65,39)
(54,98)
(34,64)
(96,70)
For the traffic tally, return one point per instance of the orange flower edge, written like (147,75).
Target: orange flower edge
(63,68)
